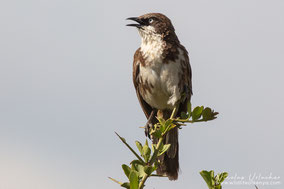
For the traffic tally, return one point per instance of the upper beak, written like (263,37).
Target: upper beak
(136,19)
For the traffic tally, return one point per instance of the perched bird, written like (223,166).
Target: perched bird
(162,79)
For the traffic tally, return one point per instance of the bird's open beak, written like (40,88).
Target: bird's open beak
(139,24)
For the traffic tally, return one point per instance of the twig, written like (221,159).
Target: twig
(115,181)
(123,140)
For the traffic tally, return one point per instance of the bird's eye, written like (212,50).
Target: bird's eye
(150,20)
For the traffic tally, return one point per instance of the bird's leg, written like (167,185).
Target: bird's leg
(149,123)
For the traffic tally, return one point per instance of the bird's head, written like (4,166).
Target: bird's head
(153,24)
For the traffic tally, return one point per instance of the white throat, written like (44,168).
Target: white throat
(152,46)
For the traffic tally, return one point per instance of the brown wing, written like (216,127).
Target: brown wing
(138,59)
(186,81)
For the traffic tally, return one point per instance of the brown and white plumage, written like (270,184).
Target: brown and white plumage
(162,79)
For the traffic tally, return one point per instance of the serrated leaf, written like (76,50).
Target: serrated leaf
(125,185)
(139,146)
(126,170)
(164,149)
(133,178)
(196,113)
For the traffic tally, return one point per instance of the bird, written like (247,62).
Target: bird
(162,78)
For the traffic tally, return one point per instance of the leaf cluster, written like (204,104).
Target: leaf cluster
(146,162)
(213,181)
(198,114)
(141,168)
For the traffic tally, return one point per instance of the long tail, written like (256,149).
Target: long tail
(170,161)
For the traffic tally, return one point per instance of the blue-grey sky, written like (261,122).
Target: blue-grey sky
(66,86)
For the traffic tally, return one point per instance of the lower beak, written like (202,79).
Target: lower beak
(136,19)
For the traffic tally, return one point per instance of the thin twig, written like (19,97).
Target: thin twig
(120,183)
(155,175)
(174,112)
(123,140)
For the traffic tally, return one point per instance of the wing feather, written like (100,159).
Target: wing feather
(186,82)
(138,59)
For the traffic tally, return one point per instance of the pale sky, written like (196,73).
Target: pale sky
(66,86)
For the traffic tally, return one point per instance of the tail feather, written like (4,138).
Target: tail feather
(169,162)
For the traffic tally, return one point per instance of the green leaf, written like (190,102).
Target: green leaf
(216,178)
(139,146)
(196,113)
(211,174)
(164,149)
(207,114)
(126,170)
(207,176)
(146,151)
(156,133)
(218,187)
(125,185)
(133,177)
(136,161)
(164,126)
(161,121)
(168,126)
(222,177)
(168,122)
(148,170)
(140,170)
